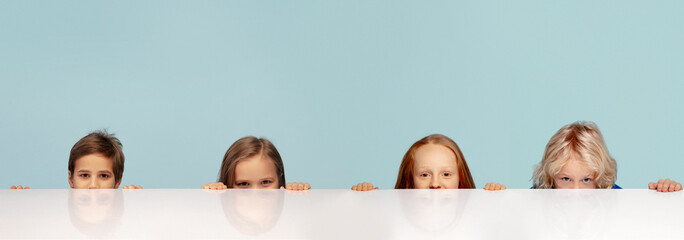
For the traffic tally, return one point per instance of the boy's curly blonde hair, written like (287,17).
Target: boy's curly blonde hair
(581,141)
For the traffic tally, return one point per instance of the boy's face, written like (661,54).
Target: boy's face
(435,167)
(575,175)
(257,172)
(93,171)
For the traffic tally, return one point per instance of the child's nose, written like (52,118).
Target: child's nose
(434,183)
(93,184)
(576,186)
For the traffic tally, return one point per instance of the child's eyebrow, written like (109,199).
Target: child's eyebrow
(83,170)
(105,171)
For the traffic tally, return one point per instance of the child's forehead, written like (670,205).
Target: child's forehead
(430,165)
(256,167)
(433,149)
(256,161)
(434,153)
(575,166)
(255,176)
(94,161)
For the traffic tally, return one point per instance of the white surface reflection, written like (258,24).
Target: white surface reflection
(253,212)
(341,214)
(579,214)
(433,212)
(95,213)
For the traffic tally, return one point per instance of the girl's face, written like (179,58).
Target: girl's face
(92,172)
(435,167)
(574,175)
(257,172)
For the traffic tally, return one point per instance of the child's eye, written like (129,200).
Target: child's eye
(424,174)
(105,176)
(266,182)
(565,179)
(446,174)
(242,184)
(84,175)
(586,180)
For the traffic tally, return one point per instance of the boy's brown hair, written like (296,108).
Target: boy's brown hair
(405,178)
(99,142)
(247,147)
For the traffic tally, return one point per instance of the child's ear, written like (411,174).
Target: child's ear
(116,186)
(71,181)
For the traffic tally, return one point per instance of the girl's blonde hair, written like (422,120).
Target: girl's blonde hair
(405,178)
(581,141)
(248,147)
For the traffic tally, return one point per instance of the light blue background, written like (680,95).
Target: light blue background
(342,88)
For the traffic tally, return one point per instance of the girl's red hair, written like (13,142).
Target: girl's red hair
(405,178)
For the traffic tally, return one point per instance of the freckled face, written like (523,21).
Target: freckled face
(435,167)
(575,175)
(92,172)
(257,172)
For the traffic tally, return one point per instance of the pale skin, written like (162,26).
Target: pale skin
(494,187)
(665,185)
(435,167)
(93,171)
(577,175)
(257,172)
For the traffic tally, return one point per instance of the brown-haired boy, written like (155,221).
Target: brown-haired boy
(96,161)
